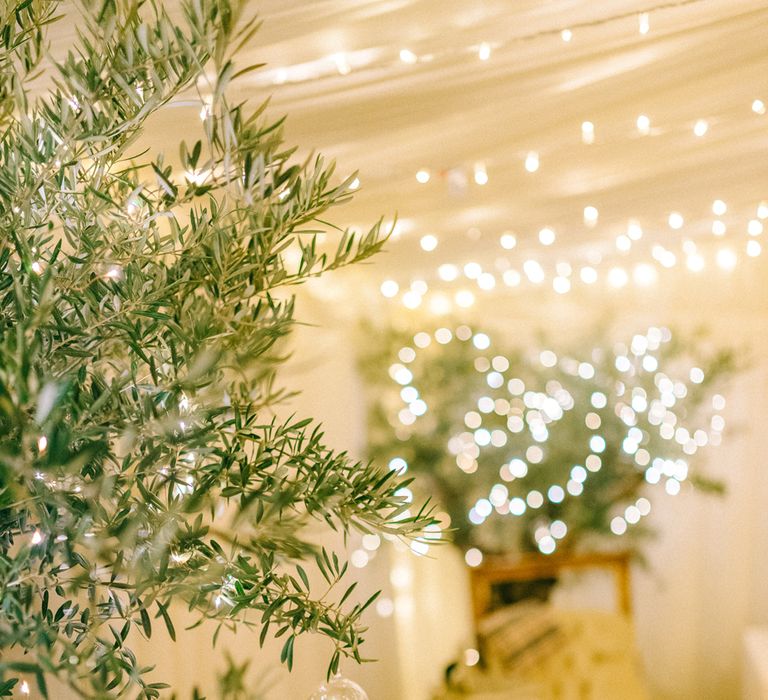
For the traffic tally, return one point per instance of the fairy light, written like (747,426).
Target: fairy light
(480,174)
(588,275)
(566,35)
(617,277)
(472,270)
(389,288)
(755,227)
(701,127)
(644,23)
(758,107)
(532,161)
(428,243)
(546,236)
(762,210)
(726,259)
(508,241)
(623,243)
(591,215)
(588,132)
(42,444)
(464,298)
(718,228)
(644,274)
(342,65)
(37,537)
(719,207)
(24,688)
(534,271)
(695,262)
(643,124)
(407,56)
(448,272)
(676,220)
(754,248)
(423,176)
(37,268)
(484,51)
(511,278)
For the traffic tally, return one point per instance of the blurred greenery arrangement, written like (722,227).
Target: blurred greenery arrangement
(548,449)
(142,301)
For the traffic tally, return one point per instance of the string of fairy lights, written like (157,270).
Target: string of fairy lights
(350,62)
(456,285)
(527,409)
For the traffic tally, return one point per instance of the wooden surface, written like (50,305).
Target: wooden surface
(496,570)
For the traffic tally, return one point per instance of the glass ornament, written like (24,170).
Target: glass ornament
(339,688)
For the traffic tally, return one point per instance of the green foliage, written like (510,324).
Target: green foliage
(141,315)
(501,424)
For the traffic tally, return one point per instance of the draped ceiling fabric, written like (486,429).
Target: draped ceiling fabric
(334,67)
(705,59)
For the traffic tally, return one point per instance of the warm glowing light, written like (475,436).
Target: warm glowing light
(588,132)
(547,236)
(411,299)
(718,228)
(37,268)
(676,220)
(42,444)
(762,210)
(473,557)
(428,242)
(561,285)
(758,107)
(448,272)
(534,271)
(439,304)
(617,277)
(695,262)
(754,248)
(726,258)
(643,23)
(464,298)
(508,240)
(407,56)
(342,65)
(471,657)
(623,243)
(24,688)
(701,127)
(644,274)
(511,278)
(643,125)
(588,275)
(719,207)
(590,215)
(566,35)
(389,288)
(481,175)
(37,538)
(755,227)
(473,270)
(423,176)
(532,161)
(484,52)
(486,281)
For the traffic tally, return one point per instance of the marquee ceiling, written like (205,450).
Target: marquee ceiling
(392,87)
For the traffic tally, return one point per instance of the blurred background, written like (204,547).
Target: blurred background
(560,177)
